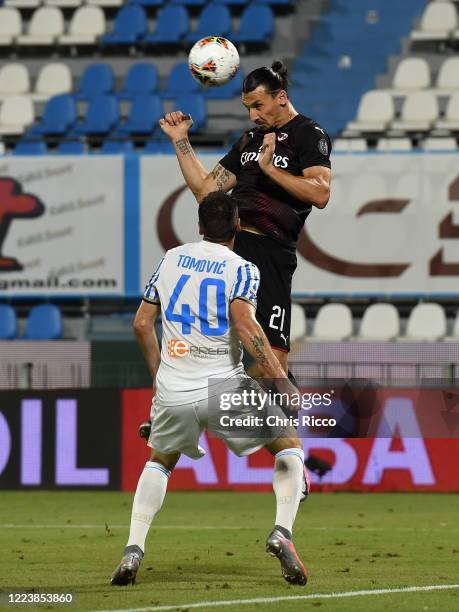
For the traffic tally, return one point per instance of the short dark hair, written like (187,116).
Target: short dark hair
(272,79)
(218,215)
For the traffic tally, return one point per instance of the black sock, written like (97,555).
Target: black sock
(291,378)
(284,532)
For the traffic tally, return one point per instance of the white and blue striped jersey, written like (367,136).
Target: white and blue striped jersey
(195,284)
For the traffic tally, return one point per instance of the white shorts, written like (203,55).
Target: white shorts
(178,428)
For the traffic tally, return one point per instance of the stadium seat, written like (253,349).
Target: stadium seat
(71,147)
(440,144)
(349,145)
(298,326)
(148,3)
(53,79)
(412,73)
(105,3)
(14,80)
(172,25)
(16,113)
(140,79)
(87,24)
(116,147)
(157,147)
(391,145)
(231,90)
(180,81)
(194,105)
(65,4)
(30,147)
(10,25)
(101,117)
(427,322)
(97,79)
(438,21)
(232,2)
(45,26)
(448,77)
(130,25)
(333,323)
(379,322)
(256,25)
(8,322)
(59,116)
(214,18)
(23,4)
(419,112)
(44,323)
(451,119)
(145,112)
(376,111)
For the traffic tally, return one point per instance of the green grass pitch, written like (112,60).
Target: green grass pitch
(209,547)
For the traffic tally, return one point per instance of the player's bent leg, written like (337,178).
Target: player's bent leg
(287,481)
(148,499)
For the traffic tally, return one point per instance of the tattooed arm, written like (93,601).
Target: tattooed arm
(254,339)
(199,180)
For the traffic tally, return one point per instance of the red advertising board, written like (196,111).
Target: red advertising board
(390,463)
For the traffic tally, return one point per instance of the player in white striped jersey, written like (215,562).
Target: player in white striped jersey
(207,297)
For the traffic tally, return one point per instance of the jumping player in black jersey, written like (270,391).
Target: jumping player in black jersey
(278,171)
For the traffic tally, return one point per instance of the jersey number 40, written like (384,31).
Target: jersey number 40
(187,319)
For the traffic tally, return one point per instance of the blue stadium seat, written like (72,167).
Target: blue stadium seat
(276,2)
(140,79)
(30,147)
(44,323)
(232,2)
(191,3)
(59,116)
(148,2)
(130,25)
(156,147)
(8,322)
(101,117)
(194,105)
(144,115)
(180,81)
(256,26)
(172,25)
(228,91)
(97,79)
(72,146)
(116,147)
(215,19)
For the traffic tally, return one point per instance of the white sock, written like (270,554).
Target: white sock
(148,499)
(287,485)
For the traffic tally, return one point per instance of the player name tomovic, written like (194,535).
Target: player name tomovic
(303,420)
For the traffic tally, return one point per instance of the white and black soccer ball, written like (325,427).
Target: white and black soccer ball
(213,61)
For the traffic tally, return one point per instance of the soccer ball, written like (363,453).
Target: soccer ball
(213,61)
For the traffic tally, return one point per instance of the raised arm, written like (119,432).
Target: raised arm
(199,180)
(144,329)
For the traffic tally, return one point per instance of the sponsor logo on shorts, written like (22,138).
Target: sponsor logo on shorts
(181,348)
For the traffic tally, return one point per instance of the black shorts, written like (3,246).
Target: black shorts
(276,263)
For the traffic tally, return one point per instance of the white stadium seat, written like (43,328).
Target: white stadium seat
(333,323)
(412,73)
(10,25)
(14,80)
(439,144)
(420,111)
(88,22)
(64,3)
(16,113)
(376,111)
(46,24)
(23,4)
(427,321)
(448,77)
(437,23)
(379,322)
(298,326)
(451,120)
(106,3)
(390,145)
(350,145)
(53,79)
